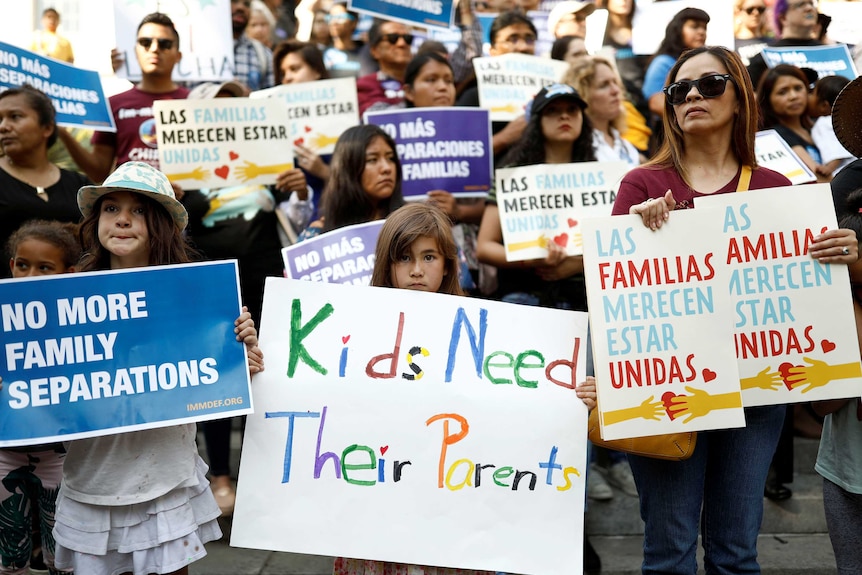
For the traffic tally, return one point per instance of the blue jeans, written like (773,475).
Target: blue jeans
(721,487)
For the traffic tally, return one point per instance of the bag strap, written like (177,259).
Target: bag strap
(744,179)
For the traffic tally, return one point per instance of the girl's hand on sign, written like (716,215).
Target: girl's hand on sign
(244,328)
(255,360)
(586,390)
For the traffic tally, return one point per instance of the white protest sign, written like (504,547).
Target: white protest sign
(222,142)
(318,112)
(506,83)
(662,341)
(795,332)
(381,407)
(547,203)
(774,153)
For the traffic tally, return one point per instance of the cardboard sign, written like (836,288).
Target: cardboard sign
(76,94)
(91,354)
(222,142)
(547,203)
(826,60)
(440,149)
(439,13)
(793,317)
(342,256)
(318,112)
(662,340)
(380,406)
(506,83)
(774,153)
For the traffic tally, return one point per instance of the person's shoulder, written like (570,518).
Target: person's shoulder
(766,178)
(73,178)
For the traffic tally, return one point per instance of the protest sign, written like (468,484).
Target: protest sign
(318,112)
(650,20)
(382,406)
(506,83)
(793,317)
(662,341)
(846,16)
(548,202)
(76,94)
(774,153)
(439,13)
(825,60)
(207,50)
(440,149)
(222,142)
(91,354)
(342,256)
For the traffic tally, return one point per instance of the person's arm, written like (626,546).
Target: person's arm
(654,80)
(470,45)
(96,164)
(490,248)
(656,104)
(812,165)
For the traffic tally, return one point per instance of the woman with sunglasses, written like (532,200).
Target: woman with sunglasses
(751,28)
(710,121)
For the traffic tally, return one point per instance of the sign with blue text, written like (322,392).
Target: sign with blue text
(438,13)
(91,354)
(76,94)
(391,405)
(834,60)
(342,256)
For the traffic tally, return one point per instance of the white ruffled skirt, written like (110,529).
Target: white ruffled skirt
(159,536)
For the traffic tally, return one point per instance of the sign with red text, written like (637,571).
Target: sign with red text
(662,340)
(793,319)
(507,83)
(381,407)
(547,202)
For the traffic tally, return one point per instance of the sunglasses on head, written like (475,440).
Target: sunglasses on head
(393,38)
(752,9)
(164,43)
(709,87)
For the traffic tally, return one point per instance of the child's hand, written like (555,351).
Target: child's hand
(255,360)
(586,390)
(244,330)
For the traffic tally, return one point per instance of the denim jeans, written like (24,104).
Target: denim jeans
(721,487)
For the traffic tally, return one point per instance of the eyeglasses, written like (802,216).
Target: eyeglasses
(514,39)
(708,86)
(803,4)
(393,38)
(752,9)
(163,43)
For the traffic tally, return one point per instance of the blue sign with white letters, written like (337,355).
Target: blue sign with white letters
(438,13)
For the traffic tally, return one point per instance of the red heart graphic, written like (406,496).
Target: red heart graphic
(222,172)
(233,155)
(827,345)
(665,399)
(384,449)
(298,142)
(561,240)
(307,129)
(708,375)
(572,223)
(784,371)
(345,338)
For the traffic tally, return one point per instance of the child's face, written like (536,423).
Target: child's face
(35,257)
(422,268)
(123,229)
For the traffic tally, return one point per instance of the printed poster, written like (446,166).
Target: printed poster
(548,203)
(317,112)
(222,142)
(833,60)
(774,153)
(342,256)
(441,149)
(437,13)
(379,404)
(76,94)
(794,328)
(90,354)
(662,342)
(507,83)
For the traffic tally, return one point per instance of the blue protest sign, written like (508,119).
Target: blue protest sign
(77,94)
(438,13)
(440,149)
(97,353)
(825,60)
(342,256)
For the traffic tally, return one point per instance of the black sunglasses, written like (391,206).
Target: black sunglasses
(752,9)
(393,38)
(164,43)
(709,87)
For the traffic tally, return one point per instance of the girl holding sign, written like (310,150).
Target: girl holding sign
(710,117)
(137,502)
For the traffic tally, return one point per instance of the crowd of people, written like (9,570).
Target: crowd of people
(682,120)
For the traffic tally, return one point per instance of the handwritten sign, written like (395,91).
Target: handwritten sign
(342,256)
(440,149)
(774,153)
(419,405)
(659,308)
(439,13)
(97,353)
(506,83)
(825,60)
(793,320)
(547,203)
(76,94)
(222,142)
(318,112)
